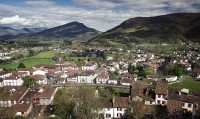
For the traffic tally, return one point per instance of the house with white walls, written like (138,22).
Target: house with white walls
(120,106)
(14,80)
(86,76)
(89,66)
(102,78)
(161,92)
(171,78)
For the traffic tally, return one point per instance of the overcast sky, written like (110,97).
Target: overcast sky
(99,14)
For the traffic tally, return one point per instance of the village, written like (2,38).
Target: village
(146,77)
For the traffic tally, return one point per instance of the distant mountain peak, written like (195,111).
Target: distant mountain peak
(69,30)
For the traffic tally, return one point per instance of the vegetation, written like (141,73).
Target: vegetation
(28,81)
(131,68)
(21,65)
(41,58)
(159,29)
(189,84)
(76,102)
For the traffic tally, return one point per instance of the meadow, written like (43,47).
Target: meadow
(189,84)
(40,58)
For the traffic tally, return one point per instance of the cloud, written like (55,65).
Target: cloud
(39,3)
(141,4)
(99,14)
(16,20)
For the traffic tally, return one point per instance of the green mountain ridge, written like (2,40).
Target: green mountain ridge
(171,28)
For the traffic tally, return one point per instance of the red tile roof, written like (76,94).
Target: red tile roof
(161,88)
(38,77)
(47,92)
(121,102)
(173,106)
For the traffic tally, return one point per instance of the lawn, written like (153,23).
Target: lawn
(40,58)
(46,54)
(52,43)
(189,84)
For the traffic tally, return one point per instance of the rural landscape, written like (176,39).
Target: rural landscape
(99,60)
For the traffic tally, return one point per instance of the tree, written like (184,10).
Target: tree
(67,42)
(149,71)
(131,69)
(31,52)
(21,65)
(178,71)
(28,81)
(76,102)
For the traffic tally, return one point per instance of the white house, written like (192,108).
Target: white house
(112,80)
(120,106)
(47,95)
(86,76)
(102,78)
(89,66)
(14,80)
(107,111)
(40,79)
(39,72)
(161,93)
(171,78)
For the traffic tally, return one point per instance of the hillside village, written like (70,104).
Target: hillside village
(146,79)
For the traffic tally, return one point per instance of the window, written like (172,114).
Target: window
(158,101)
(183,104)
(159,96)
(189,105)
(119,114)
(119,109)
(108,115)
(163,102)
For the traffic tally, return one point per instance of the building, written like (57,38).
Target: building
(102,78)
(120,106)
(161,92)
(86,76)
(89,66)
(47,95)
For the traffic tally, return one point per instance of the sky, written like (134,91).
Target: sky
(99,14)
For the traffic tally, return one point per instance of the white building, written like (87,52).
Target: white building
(86,76)
(102,78)
(14,80)
(120,105)
(89,66)
(39,72)
(161,93)
(40,79)
(171,78)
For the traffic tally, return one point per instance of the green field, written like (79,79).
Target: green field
(189,84)
(40,58)
(46,54)
(52,43)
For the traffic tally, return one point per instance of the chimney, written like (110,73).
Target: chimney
(179,93)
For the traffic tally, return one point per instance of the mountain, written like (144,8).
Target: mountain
(73,30)
(32,30)
(166,28)
(7,31)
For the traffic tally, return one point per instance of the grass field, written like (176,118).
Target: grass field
(46,54)
(52,43)
(40,58)
(189,84)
